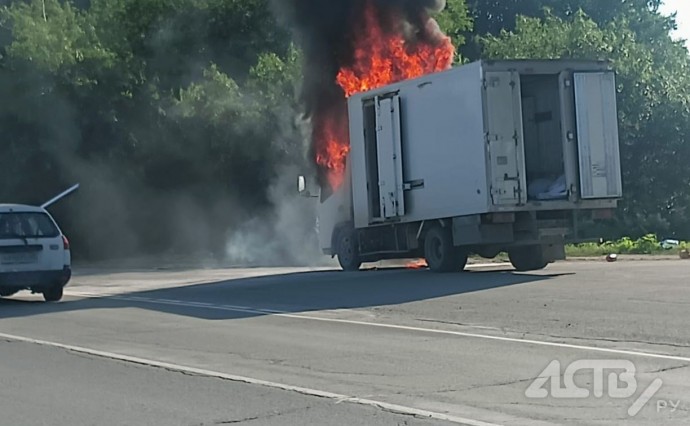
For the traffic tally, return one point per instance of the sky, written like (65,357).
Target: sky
(683,18)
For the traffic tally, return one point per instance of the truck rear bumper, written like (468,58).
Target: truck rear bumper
(532,206)
(32,279)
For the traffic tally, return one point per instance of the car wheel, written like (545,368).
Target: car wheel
(440,253)
(53,294)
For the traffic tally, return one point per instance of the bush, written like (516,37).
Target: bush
(649,244)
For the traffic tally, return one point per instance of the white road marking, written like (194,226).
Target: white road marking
(338,398)
(286,314)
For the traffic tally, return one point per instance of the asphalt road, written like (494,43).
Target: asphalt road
(386,346)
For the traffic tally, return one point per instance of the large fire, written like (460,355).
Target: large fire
(380,58)
(332,135)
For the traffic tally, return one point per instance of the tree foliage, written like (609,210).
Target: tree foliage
(178,116)
(155,107)
(490,17)
(455,21)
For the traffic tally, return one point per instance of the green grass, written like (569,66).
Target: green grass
(647,245)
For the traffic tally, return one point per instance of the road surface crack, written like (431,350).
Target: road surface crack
(229,422)
(443,322)
(555,336)
(611,340)
(508,383)
(254,418)
(663,370)
(339,373)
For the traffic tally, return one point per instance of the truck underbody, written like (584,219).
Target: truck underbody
(532,239)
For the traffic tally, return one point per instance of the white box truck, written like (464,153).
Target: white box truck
(485,158)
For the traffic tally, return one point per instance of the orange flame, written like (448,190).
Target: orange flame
(332,134)
(417,264)
(380,58)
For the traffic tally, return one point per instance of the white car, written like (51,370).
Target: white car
(34,253)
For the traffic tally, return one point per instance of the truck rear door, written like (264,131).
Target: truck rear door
(597,135)
(389,153)
(505,141)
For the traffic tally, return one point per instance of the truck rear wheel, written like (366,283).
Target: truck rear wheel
(530,258)
(53,294)
(348,250)
(440,253)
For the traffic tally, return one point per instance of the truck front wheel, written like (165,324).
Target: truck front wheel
(529,258)
(348,250)
(440,253)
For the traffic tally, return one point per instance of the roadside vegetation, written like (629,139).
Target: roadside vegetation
(180,118)
(646,245)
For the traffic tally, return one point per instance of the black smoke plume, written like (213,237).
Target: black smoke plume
(325,30)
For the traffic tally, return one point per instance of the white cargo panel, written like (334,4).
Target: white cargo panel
(389,149)
(454,143)
(504,137)
(444,169)
(597,128)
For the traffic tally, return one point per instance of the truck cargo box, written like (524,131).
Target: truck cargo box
(490,136)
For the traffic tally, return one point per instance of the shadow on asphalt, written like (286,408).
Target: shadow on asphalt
(289,293)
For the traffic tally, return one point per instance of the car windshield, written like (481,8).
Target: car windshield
(27,225)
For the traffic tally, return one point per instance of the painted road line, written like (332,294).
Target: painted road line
(286,314)
(338,398)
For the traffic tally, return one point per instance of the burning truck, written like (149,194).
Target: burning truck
(425,160)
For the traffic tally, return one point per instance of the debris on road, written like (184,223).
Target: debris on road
(612,258)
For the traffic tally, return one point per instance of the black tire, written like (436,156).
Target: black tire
(488,252)
(440,253)
(53,294)
(348,250)
(462,260)
(530,258)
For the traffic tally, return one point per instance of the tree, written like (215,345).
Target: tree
(164,111)
(455,21)
(654,103)
(493,16)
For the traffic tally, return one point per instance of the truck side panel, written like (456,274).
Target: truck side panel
(333,212)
